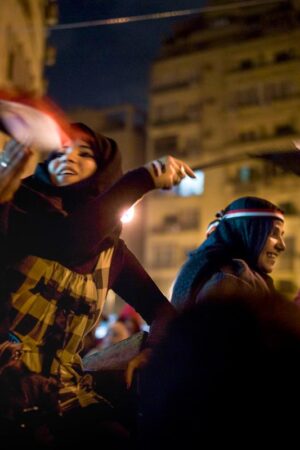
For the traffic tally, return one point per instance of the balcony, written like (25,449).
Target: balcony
(176,85)
(176,120)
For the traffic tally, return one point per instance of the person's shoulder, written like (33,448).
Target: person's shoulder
(238,267)
(232,279)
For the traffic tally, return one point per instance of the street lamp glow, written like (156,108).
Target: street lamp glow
(128,215)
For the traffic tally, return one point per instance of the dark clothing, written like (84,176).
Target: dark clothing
(235,280)
(33,224)
(62,253)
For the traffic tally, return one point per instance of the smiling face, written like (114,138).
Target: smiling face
(75,164)
(273,247)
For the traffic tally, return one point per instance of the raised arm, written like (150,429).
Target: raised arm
(93,222)
(78,236)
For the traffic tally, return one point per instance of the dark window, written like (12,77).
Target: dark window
(284,130)
(246,64)
(289,208)
(248,136)
(165,145)
(285,55)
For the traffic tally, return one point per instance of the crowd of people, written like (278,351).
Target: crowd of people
(227,343)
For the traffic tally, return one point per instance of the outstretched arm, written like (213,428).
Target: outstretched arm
(105,211)
(78,236)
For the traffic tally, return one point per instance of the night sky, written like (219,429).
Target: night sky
(108,65)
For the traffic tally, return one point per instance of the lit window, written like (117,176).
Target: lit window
(191,186)
(245,174)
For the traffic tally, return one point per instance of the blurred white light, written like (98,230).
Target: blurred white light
(128,215)
(101,330)
(191,186)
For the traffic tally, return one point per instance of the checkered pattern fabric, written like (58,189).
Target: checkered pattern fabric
(47,296)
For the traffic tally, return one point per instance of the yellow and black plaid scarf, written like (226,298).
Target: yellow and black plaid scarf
(52,304)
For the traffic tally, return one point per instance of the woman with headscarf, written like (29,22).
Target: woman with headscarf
(61,253)
(242,247)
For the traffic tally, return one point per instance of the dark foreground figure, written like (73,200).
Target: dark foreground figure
(226,375)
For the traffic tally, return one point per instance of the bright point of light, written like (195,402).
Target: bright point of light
(191,186)
(128,215)
(101,330)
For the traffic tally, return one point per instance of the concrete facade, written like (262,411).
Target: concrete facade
(22,44)
(23,47)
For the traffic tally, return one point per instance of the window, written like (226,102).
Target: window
(171,223)
(280,90)
(246,64)
(247,174)
(288,208)
(247,136)
(271,170)
(246,97)
(164,256)
(193,111)
(191,186)
(191,146)
(165,145)
(284,55)
(284,130)
(180,220)
(190,219)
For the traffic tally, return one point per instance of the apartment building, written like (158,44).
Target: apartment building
(226,86)
(23,45)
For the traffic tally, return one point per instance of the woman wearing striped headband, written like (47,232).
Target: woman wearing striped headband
(240,251)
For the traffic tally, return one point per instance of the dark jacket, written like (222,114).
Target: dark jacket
(236,279)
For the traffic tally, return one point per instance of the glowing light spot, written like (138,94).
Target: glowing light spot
(128,215)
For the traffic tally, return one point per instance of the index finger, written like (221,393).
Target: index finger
(188,170)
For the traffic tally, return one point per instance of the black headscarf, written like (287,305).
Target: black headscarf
(235,238)
(37,214)
(108,159)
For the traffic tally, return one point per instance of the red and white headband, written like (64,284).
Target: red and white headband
(237,213)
